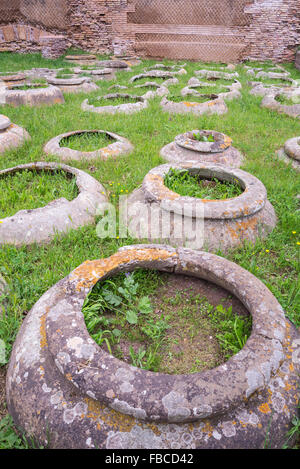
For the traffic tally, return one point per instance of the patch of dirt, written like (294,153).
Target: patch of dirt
(3,410)
(190,344)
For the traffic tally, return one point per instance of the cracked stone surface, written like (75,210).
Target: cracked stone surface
(186,148)
(206,224)
(32,97)
(59,216)
(121,146)
(127,108)
(59,375)
(11,135)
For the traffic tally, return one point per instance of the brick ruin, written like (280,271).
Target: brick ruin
(209,30)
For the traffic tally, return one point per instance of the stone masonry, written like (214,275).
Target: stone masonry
(259,29)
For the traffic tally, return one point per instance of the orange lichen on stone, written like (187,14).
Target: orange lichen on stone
(43,339)
(116,420)
(189,104)
(163,191)
(264,408)
(90,272)
(208,428)
(241,227)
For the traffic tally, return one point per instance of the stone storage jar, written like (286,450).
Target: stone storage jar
(156,213)
(65,391)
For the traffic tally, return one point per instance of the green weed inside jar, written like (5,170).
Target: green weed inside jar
(28,190)
(148,320)
(184,183)
(87,141)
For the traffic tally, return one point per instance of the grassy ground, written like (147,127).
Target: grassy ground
(256,132)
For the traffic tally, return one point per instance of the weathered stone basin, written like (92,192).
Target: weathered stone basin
(128,108)
(213,105)
(232,91)
(59,216)
(65,391)
(156,213)
(11,135)
(74,85)
(262,89)
(292,110)
(291,152)
(119,146)
(186,147)
(33,96)
(82,59)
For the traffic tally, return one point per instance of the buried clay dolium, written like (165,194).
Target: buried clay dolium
(290,152)
(114,146)
(11,135)
(59,216)
(34,96)
(122,102)
(207,146)
(75,395)
(157,213)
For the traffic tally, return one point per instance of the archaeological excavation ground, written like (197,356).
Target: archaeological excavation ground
(149,225)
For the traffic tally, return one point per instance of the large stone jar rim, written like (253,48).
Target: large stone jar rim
(251,201)
(221,141)
(156,396)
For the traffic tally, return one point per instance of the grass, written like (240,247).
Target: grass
(257,132)
(29,87)
(26,190)
(86,141)
(203,98)
(147,330)
(186,184)
(114,101)
(282,99)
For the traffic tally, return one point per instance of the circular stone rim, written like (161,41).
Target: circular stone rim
(251,201)
(67,81)
(141,103)
(5,122)
(113,149)
(91,194)
(12,77)
(185,141)
(245,373)
(292,148)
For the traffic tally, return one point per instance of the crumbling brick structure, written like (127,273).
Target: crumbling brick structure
(212,30)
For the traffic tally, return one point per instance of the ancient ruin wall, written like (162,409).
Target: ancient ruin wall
(274,31)
(258,30)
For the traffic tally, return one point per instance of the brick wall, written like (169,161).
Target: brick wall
(274,31)
(268,29)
